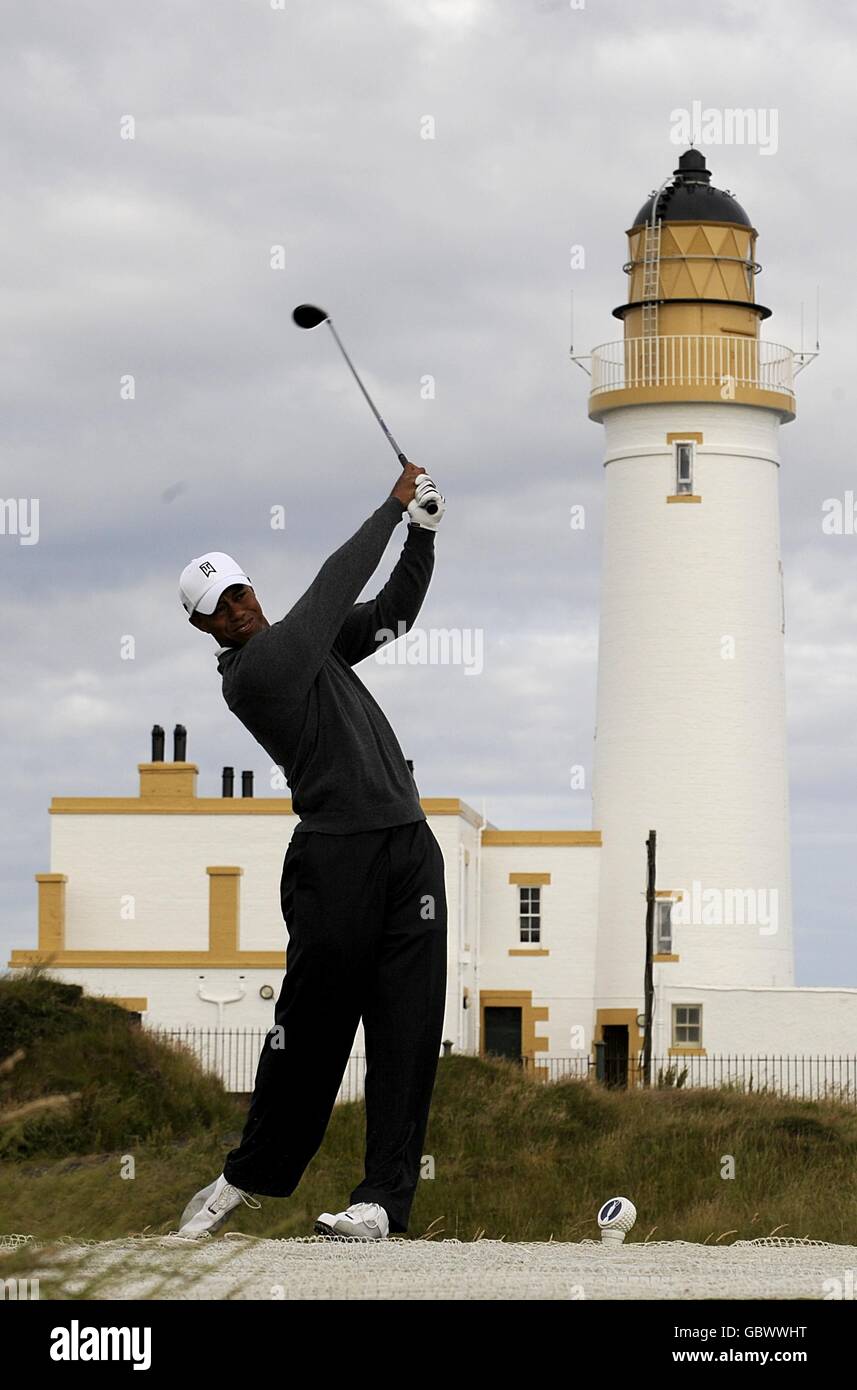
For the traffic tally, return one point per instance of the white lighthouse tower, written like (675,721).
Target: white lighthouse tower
(690,735)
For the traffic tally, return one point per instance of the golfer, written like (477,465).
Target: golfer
(362,889)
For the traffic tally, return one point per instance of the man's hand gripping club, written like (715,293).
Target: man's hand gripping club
(414,489)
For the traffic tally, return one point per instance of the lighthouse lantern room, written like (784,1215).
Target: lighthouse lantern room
(690,737)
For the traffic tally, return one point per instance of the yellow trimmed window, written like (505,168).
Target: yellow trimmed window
(687,1025)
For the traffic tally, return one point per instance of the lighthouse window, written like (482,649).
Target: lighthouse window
(530,911)
(663,928)
(684,467)
(687,1025)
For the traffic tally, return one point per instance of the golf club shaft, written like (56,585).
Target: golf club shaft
(400,456)
(430,506)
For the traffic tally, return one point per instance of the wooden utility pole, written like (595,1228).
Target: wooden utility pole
(648,982)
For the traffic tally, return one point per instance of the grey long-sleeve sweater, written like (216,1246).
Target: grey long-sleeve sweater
(293,687)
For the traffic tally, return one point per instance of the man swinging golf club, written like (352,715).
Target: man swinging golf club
(362,889)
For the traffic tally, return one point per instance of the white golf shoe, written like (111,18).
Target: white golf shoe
(206,1212)
(361,1221)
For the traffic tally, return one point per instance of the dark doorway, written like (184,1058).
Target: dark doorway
(502,1032)
(615,1038)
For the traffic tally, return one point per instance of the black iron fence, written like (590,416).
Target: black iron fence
(805,1076)
(233,1055)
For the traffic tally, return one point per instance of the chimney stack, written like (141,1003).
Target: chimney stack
(163,781)
(228,781)
(246,784)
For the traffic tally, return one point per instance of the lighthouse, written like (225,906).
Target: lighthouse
(690,736)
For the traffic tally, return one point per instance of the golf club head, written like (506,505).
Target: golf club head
(309,316)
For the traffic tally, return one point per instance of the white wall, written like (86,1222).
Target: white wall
(173,998)
(786,1022)
(564,980)
(687,743)
(161,861)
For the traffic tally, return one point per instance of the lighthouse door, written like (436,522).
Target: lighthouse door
(615,1038)
(503,1032)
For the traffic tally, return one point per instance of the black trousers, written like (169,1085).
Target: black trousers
(366,915)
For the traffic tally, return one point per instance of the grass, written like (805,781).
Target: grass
(506,1157)
(129,1089)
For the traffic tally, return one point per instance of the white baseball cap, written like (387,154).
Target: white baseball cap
(204,579)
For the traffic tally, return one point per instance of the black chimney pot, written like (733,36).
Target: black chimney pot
(179,744)
(246,784)
(157,744)
(228,781)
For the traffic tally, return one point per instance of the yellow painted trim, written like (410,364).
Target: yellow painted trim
(223,934)
(685,497)
(635,1037)
(783,402)
(698,222)
(155,960)
(161,805)
(531,1043)
(682,437)
(529,880)
(223,909)
(51,911)
(676,893)
(664,958)
(525,951)
(161,769)
(155,806)
(451,806)
(687,1052)
(685,315)
(167,781)
(541,837)
(137,1006)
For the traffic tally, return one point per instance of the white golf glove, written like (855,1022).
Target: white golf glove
(426,491)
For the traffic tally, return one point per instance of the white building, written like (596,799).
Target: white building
(169,902)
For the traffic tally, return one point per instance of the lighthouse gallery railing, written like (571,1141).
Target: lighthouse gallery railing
(683,359)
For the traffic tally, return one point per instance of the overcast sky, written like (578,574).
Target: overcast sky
(302,127)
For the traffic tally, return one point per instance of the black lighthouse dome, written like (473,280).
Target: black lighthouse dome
(691,198)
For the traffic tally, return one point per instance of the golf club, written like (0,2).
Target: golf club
(310,316)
